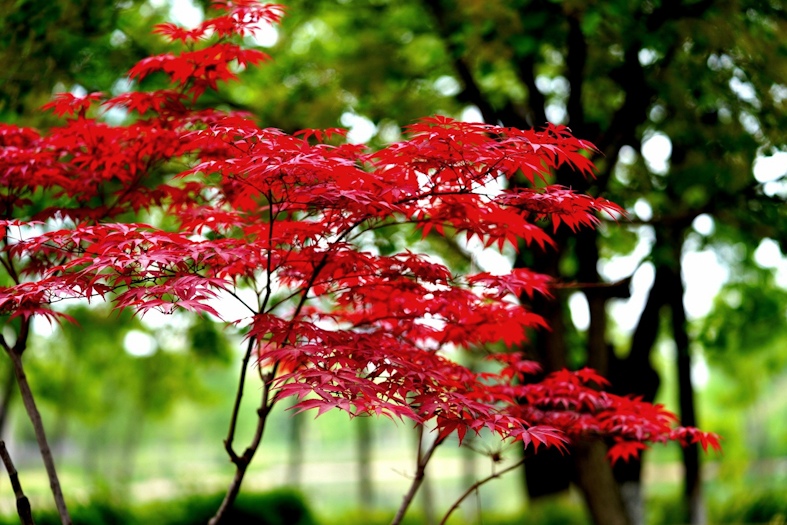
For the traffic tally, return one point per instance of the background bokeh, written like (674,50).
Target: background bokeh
(685,100)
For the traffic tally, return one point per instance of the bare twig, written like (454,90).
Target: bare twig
(22,503)
(476,485)
(420,471)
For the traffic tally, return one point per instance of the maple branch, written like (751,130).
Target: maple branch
(266,405)
(242,462)
(269,262)
(421,461)
(236,406)
(22,503)
(9,267)
(15,354)
(474,487)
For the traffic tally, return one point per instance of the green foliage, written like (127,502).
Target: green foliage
(279,507)
(745,333)
(737,507)
(753,507)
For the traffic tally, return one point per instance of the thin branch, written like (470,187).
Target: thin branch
(22,503)
(236,406)
(476,485)
(420,471)
(472,91)
(33,414)
(243,462)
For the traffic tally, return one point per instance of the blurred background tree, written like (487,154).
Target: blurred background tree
(685,101)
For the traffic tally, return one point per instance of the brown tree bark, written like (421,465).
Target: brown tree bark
(8,396)
(692,488)
(15,354)
(22,503)
(594,478)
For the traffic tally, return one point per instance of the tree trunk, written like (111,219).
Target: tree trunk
(365,484)
(692,490)
(469,477)
(5,403)
(634,375)
(427,491)
(594,478)
(295,451)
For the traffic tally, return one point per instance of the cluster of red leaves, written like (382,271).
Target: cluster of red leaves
(336,324)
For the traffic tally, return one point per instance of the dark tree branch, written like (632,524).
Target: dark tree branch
(536,114)
(243,461)
(5,402)
(633,112)
(15,354)
(476,485)
(228,442)
(472,91)
(22,503)
(672,10)
(420,472)
(691,456)
(576,58)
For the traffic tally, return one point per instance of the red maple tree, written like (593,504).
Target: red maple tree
(333,323)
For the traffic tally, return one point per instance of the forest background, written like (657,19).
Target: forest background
(684,99)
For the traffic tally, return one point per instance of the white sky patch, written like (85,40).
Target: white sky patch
(266,36)
(43,327)
(139,344)
(769,255)
(700,373)
(744,90)
(767,169)
(647,56)
(184,13)
(621,266)
(703,224)
(232,310)
(703,277)
(359,129)
(472,114)
(626,312)
(556,112)
(580,310)
(487,259)
(657,149)
(643,210)
(447,86)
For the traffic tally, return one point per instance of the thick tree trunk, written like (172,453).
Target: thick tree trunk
(634,375)
(594,478)
(692,490)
